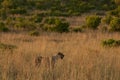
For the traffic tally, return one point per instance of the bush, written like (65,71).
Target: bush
(18,11)
(56,25)
(34,33)
(107,19)
(108,6)
(3,28)
(111,42)
(59,13)
(50,20)
(62,27)
(115,24)
(79,29)
(92,22)
(7,46)
(25,25)
(13,3)
(10,21)
(49,28)
(3,14)
(115,12)
(36,18)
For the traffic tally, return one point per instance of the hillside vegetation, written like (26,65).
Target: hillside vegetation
(27,15)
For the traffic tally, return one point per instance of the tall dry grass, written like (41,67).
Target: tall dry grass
(85,58)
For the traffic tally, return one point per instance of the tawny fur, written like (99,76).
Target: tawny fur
(48,62)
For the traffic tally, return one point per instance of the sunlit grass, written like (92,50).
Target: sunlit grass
(85,57)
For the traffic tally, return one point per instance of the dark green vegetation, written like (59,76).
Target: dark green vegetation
(115,24)
(32,15)
(34,33)
(3,27)
(111,43)
(93,21)
(7,46)
(56,25)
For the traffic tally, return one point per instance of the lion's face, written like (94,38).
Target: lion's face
(61,55)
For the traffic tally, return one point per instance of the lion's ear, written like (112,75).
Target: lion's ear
(61,55)
(40,57)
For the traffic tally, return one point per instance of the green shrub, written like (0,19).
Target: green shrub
(49,28)
(25,25)
(59,13)
(108,6)
(7,46)
(3,28)
(53,20)
(10,21)
(111,43)
(34,33)
(100,13)
(115,12)
(107,19)
(18,11)
(105,7)
(56,25)
(50,20)
(79,29)
(115,24)
(43,14)
(36,18)
(62,27)
(13,3)
(92,22)
(3,14)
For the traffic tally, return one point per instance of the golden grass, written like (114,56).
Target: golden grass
(85,58)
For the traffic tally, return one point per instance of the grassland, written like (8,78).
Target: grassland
(85,57)
(29,28)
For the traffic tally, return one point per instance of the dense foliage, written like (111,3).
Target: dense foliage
(93,21)
(111,43)
(3,28)
(55,7)
(30,14)
(56,25)
(115,24)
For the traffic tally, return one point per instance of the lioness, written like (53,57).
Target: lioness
(48,61)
